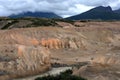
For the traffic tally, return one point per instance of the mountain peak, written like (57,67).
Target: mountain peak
(100,12)
(102,8)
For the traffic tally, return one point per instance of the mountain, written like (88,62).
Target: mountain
(103,13)
(117,11)
(35,14)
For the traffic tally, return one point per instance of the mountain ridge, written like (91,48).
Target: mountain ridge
(117,11)
(35,14)
(100,12)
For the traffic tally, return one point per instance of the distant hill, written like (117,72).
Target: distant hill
(117,11)
(102,13)
(35,14)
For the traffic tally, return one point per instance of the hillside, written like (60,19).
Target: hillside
(94,45)
(99,13)
(10,23)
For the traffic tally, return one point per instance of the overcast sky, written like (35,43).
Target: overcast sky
(61,7)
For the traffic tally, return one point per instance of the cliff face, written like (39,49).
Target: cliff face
(20,60)
(62,43)
(98,72)
(100,68)
(51,40)
(106,60)
(25,52)
(21,55)
(28,50)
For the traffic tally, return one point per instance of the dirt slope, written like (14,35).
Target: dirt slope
(28,48)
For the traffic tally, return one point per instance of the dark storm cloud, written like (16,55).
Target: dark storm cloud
(60,7)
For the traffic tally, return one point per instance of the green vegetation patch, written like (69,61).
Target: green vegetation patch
(44,22)
(67,75)
(64,20)
(9,24)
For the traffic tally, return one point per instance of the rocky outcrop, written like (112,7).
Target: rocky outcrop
(26,51)
(21,60)
(54,43)
(106,60)
(98,72)
(51,43)
(100,68)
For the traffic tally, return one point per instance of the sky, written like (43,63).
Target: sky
(63,8)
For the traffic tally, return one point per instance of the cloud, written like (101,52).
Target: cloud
(115,5)
(97,2)
(60,7)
